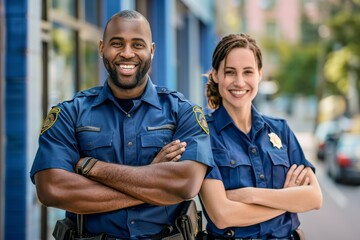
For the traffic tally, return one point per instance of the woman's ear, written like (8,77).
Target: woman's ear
(214,76)
(260,75)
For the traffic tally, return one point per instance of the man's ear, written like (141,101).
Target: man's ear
(101,48)
(152,50)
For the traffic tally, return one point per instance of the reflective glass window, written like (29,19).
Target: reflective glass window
(90,66)
(66,6)
(62,64)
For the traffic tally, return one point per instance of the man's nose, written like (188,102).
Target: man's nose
(127,52)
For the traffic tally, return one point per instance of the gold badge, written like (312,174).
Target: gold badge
(200,118)
(275,140)
(50,119)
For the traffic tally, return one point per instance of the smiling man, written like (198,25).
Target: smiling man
(121,157)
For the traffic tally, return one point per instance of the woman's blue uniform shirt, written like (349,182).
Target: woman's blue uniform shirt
(251,160)
(93,124)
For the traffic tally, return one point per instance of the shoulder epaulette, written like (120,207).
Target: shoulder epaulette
(89,92)
(165,90)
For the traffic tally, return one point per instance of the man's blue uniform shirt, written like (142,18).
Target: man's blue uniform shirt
(251,160)
(93,124)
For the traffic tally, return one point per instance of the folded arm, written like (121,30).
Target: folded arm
(227,213)
(163,183)
(298,195)
(70,191)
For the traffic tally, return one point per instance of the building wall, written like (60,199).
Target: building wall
(2,58)
(15,176)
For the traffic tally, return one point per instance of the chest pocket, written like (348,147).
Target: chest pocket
(95,143)
(236,170)
(151,144)
(280,166)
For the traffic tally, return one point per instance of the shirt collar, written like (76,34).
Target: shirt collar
(149,95)
(258,121)
(225,119)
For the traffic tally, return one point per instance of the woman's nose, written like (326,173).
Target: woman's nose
(239,81)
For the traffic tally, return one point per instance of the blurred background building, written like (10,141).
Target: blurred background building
(49,50)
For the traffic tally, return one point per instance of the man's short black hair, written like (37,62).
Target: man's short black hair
(127,14)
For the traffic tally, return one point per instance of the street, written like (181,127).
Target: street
(339,216)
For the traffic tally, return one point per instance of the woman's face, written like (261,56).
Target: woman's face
(238,80)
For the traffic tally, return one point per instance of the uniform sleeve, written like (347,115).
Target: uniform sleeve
(214,174)
(57,142)
(192,128)
(295,151)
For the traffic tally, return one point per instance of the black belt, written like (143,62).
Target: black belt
(211,237)
(167,232)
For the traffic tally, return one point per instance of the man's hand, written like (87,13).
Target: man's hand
(170,152)
(296,176)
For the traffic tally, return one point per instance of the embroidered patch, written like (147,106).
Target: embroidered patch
(200,118)
(50,119)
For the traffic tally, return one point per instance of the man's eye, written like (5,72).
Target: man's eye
(116,44)
(138,45)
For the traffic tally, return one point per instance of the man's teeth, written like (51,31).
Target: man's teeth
(127,66)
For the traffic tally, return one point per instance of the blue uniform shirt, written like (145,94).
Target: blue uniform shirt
(93,124)
(251,160)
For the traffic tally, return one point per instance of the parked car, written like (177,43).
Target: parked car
(322,132)
(342,157)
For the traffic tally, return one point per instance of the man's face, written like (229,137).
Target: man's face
(127,51)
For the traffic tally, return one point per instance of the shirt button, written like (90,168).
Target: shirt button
(130,144)
(128,115)
(253,150)
(232,162)
(132,222)
(262,177)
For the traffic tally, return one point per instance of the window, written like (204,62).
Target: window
(62,65)
(71,31)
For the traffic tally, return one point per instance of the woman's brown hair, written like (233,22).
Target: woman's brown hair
(221,51)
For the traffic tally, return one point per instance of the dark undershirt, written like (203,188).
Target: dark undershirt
(125,104)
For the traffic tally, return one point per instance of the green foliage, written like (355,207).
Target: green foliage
(296,73)
(344,56)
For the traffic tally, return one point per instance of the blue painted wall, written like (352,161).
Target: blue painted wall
(16,174)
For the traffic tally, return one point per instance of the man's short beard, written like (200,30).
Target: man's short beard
(139,77)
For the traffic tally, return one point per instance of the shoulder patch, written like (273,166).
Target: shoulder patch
(50,119)
(200,118)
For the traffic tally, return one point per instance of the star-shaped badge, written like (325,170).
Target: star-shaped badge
(275,140)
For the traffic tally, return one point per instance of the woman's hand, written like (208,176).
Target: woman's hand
(297,176)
